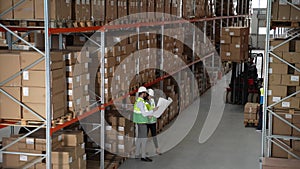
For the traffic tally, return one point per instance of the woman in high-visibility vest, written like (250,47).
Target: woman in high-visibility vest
(140,117)
(152,120)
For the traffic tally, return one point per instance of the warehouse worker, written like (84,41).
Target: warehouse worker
(152,120)
(140,117)
(261,102)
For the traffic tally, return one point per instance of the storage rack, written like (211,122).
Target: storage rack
(268,111)
(230,20)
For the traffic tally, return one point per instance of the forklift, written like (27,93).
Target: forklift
(245,81)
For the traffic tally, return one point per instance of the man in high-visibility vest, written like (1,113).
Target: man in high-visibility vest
(140,117)
(260,115)
(152,120)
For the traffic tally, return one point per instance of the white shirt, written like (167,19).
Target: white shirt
(144,112)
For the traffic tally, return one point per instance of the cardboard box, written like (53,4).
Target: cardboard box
(284,12)
(58,9)
(275,79)
(278,152)
(40,109)
(8,108)
(225,39)
(275,5)
(63,155)
(274,59)
(281,128)
(72,138)
(276,90)
(25,10)
(290,80)
(11,161)
(282,48)
(85,79)
(4,5)
(278,68)
(291,57)
(251,108)
(97,10)
(82,163)
(279,163)
(28,58)
(297,47)
(10,65)
(34,78)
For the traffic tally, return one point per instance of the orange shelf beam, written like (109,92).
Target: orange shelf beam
(97,109)
(135,25)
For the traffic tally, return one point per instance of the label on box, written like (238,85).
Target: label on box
(271,60)
(68,56)
(82,38)
(87,2)
(70,104)
(59,138)
(222,41)
(83,146)
(288,116)
(227,53)
(111,3)
(107,145)
(25,91)
(276,99)
(120,137)
(84,157)
(270,70)
(70,80)
(82,2)
(269,92)
(78,2)
(69,68)
(87,76)
(108,128)
(25,75)
(87,98)
(30,141)
(70,92)
(237,46)
(86,65)
(86,88)
(70,160)
(106,91)
(285,104)
(121,146)
(95,2)
(231,33)
(295,78)
(78,79)
(78,101)
(121,128)
(23,158)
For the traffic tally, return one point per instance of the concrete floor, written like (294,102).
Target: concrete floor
(232,146)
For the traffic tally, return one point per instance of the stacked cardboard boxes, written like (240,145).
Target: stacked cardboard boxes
(275,163)
(234,44)
(33,85)
(78,80)
(68,150)
(30,86)
(284,81)
(119,134)
(251,112)
(35,143)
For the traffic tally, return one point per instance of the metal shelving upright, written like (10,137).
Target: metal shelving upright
(268,138)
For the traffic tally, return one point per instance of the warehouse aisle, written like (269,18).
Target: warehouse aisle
(232,146)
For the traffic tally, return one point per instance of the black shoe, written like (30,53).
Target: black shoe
(146,159)
(149,159)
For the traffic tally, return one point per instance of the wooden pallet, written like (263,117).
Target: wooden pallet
(285,23)
(250,123)
(23,23)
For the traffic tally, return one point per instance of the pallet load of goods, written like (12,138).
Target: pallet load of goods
(251,116)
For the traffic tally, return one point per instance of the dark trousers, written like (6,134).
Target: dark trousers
(152,128)
(260,115)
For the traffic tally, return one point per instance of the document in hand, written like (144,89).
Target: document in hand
(162,105)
